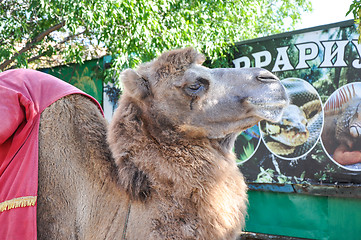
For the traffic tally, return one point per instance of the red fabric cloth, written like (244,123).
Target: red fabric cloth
(24,94)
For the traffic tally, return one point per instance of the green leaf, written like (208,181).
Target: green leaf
(137,31)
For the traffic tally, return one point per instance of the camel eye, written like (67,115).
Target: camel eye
(195,86)
(194,89)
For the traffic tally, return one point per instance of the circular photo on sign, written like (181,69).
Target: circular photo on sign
(341,135)
(300,126)
(246,144)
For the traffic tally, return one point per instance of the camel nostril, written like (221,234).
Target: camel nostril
(267,77)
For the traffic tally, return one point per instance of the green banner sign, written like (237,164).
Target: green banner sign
(318,139)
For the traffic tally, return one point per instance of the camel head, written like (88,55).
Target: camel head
(175,91)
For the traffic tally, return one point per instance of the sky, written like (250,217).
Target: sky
(326,12)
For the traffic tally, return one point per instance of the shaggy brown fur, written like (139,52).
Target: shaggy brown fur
(187,178)
(78,196)
(171,140)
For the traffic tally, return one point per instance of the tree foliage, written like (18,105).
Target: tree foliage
(133,31)
(355,8)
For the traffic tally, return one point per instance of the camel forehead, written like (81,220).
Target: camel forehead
(216,77)
(171,85)
(179,78)
(196,71)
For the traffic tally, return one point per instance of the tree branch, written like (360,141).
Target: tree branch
(29,45)
(73,36)
(57,46)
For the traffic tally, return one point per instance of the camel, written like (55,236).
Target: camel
(164,167)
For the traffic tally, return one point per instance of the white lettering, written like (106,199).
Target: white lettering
(282,59)
(312,50)
(338,54)
(238,62)
(333,56)
(357,62)
(259,56)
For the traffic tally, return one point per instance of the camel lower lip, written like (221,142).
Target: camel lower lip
(272,115)
(280,104)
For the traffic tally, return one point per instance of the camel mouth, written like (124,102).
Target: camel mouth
(272,114)
(270,110)
(269,103)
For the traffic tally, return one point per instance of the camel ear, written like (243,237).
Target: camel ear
(135,85)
